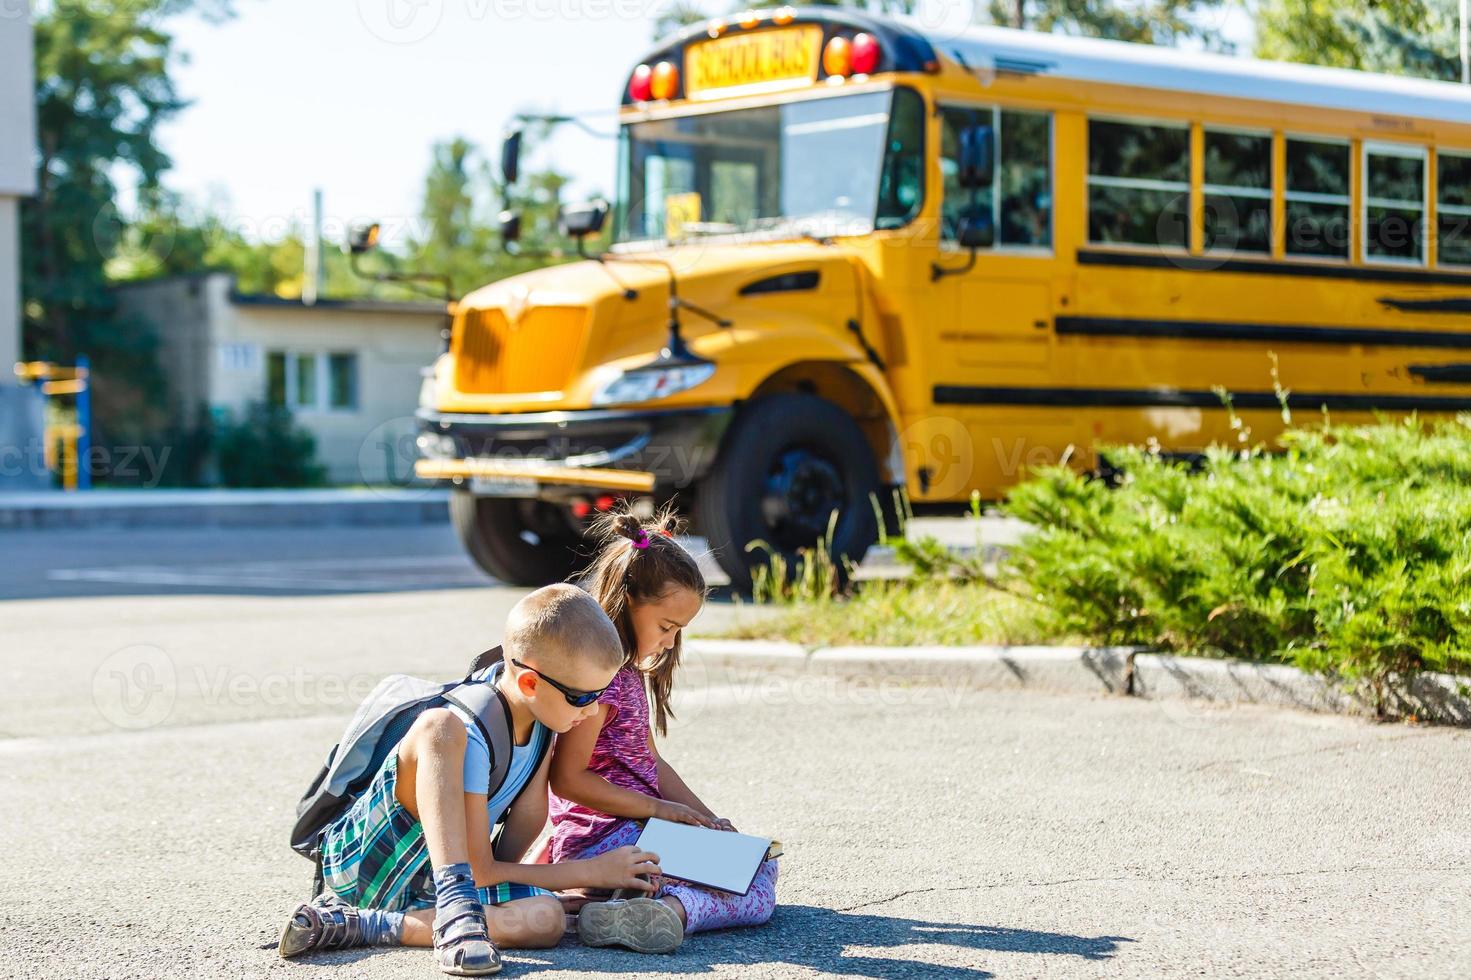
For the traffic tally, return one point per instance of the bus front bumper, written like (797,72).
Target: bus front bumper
(561,453)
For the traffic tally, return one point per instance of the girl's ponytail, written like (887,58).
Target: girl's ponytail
(638,560)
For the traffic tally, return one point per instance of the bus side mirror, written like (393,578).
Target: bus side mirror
(977,156)
(510,225)
(363,238)
(976,230)
(581,220)
(511,158)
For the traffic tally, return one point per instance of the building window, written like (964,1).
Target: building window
(1394,203)
(312,382)
(342,381)
(1453,208)
(304,378)
(1138,183)
(1317,198)
(1020,195)
(276,379)
(1238,191)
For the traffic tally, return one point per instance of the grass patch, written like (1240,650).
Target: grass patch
(1344,550)
(932,612)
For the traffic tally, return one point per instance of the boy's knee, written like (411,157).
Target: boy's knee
(533,923)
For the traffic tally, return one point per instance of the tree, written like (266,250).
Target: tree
(1401,37)
(102,91)
(1149,21)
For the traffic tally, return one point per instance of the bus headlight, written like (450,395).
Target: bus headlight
(650,384)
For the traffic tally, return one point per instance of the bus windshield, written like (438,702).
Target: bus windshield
(842,165)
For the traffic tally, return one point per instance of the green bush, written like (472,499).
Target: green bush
(1348,552)
(265,448)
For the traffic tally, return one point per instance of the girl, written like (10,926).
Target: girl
(607,775)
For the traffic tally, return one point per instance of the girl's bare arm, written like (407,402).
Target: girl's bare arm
(572,780)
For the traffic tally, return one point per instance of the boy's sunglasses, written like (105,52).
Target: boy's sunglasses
(576,698)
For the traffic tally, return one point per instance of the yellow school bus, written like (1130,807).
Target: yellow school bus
(849,255)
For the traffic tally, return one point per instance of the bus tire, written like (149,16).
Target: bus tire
(495,531)
(786,463)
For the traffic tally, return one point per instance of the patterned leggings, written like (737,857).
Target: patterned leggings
(704,908)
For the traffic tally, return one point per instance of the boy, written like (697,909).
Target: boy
(403,863)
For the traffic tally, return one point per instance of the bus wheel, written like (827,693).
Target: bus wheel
(787,463)
(518,541)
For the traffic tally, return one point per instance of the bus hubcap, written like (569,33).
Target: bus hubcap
(802,491)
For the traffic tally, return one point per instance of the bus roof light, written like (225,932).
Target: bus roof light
(864,54)
(640,86)
(665,83)
(837,56)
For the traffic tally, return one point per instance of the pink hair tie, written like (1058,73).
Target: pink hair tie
(641,539)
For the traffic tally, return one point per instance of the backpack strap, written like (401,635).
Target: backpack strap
(492,656)
(492,715)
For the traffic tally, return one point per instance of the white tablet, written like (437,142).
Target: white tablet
(712,858)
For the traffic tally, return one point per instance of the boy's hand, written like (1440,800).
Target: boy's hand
(723,824)
(622,867)
(679,813)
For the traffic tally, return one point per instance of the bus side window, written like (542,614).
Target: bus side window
(1020,197)
(956,200)
(901,182)
(1238,191)
(1317,198)
(1453,212)
(1024,173)
(1138,183)
(1394,202)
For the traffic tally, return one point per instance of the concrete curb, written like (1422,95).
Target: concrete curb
(1124,671)
(223,508)
(1087,670)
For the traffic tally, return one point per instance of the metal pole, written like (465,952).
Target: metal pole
(1465,49)
(311,282)
(84,423)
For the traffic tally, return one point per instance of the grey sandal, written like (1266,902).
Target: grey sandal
(324,923)
(462,945)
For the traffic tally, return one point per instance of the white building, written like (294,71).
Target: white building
(349,370)
(20,409)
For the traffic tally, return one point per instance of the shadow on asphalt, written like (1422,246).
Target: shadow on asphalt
(805,937)
(847,943)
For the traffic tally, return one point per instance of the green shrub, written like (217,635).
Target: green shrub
(265,448)
(1348,552)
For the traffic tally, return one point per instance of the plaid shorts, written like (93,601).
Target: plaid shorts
(374,855)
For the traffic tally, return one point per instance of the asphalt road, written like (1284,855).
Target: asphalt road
(152,749)
(276,561)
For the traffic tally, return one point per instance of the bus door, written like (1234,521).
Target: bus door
(993,338)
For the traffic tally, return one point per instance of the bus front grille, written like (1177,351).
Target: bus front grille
(537,353)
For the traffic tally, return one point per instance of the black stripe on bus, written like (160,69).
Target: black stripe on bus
(1094,326)
(1458,374)
(1187,398)
(1267,267)
(1455,304)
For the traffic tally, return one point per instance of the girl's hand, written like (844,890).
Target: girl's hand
(679,813)
(622,868)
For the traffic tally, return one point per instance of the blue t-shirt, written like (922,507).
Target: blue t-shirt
(477,764)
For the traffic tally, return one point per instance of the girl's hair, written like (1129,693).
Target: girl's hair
(639,561)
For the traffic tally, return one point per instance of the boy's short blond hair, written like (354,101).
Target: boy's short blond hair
(563,623)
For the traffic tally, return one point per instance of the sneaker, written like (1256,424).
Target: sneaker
(644,925)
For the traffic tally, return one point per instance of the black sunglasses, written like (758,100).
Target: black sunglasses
(576,698)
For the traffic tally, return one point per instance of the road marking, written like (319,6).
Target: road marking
(366,574)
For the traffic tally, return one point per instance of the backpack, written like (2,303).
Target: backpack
(381,722)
